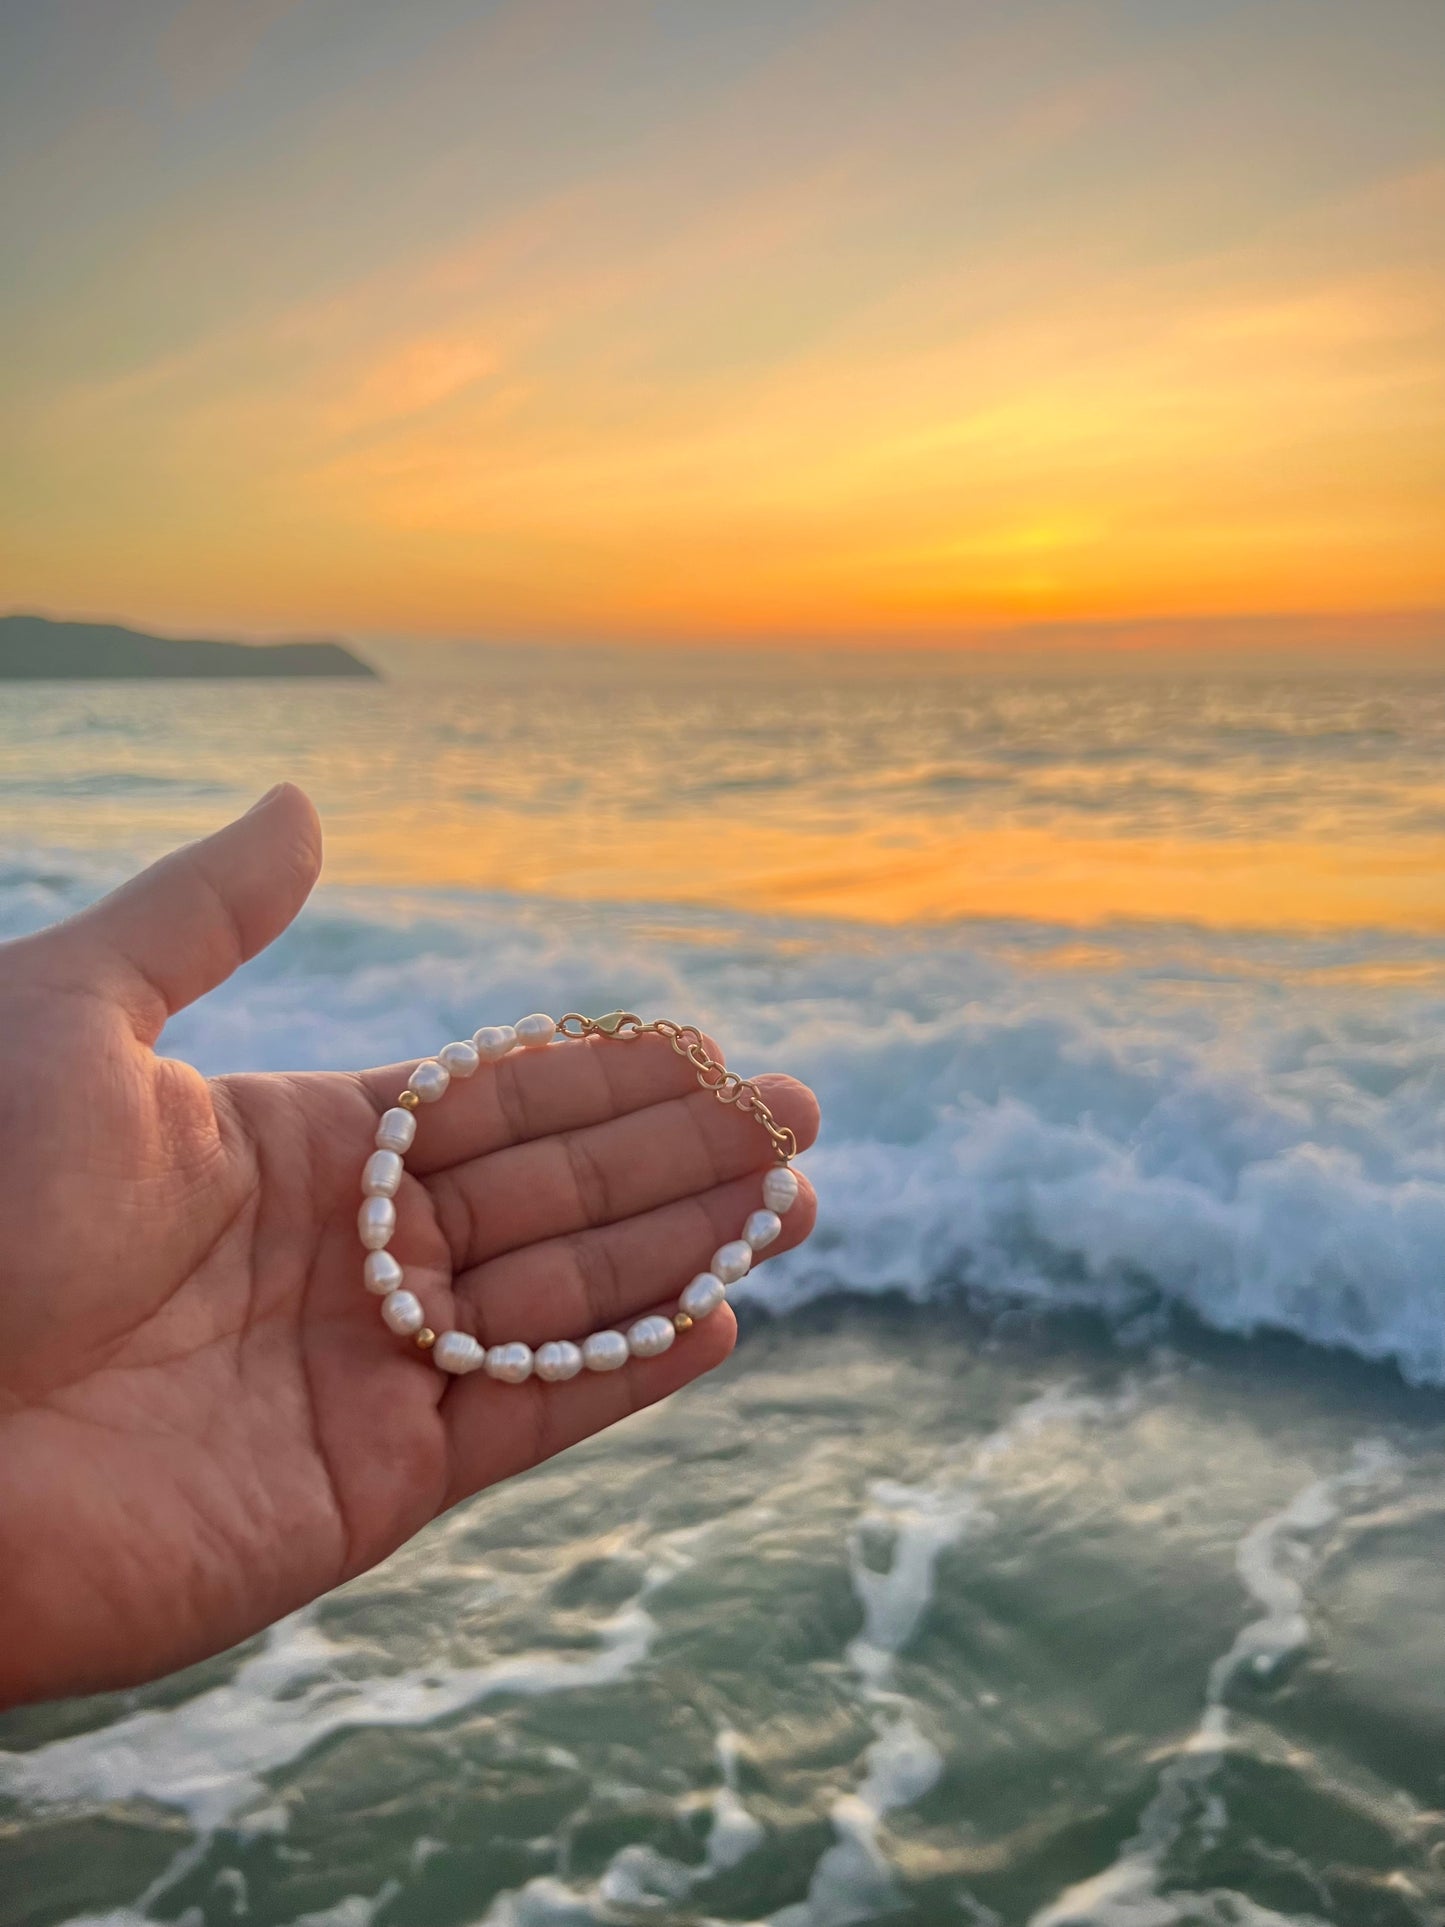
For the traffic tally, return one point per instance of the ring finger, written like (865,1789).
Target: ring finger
(590,1280)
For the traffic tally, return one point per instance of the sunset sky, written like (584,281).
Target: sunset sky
(721,318)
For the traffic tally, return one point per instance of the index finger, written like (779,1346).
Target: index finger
(566,1085)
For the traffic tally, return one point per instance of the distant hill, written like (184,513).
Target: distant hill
(34,648)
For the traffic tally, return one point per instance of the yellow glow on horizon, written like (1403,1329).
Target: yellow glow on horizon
(894,871)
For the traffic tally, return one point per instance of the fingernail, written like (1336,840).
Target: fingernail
(262,801)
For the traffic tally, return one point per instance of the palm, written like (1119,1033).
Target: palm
(202,1420)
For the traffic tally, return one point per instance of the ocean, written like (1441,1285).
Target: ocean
(1064,1544)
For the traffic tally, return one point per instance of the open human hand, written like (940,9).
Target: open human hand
(203,1423)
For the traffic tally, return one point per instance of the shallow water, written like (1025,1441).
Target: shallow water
(1064,1541)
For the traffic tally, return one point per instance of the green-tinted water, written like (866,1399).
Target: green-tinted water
(904,1615)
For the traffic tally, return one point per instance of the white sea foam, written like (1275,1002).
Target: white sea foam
(638,1876)
(1290,1179)
(208,1756)
(355,1910)
(921,1522)
(853,1880)
(1273,1560)
(734,1832)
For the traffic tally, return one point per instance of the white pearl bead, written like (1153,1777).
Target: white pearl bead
(510,1363)
(650,1337)
(535,1030)
(604,1351)
(780,1188)
(493,1041)
(429,1080)
(703,1295)
(457,1352)
(381,1174)
(761,1228)
(732,1261)
(381,1272)
(396,1130)
(402,1312)
(459,1059)
(558,1360)
(376,1221)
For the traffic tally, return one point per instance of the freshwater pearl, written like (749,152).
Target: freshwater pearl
(381,1272)
(396,1130)
(376,1220)
(429,1080)
(493,1041)
(761,1228)
(460,1059)
(402,1311)
(557,1360)
(381,1174)
(780,1187)
(703,1295)
(535,1030)
(457,1352)
(650,1337)
(604,1351)
(732,1261)
(510,1363)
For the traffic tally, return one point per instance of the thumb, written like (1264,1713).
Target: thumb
(182,926)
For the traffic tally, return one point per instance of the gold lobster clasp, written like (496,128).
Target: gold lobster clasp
(574,1024)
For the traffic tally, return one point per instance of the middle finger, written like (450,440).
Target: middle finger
(603,1173)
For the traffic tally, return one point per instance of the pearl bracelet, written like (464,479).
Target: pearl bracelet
(604,1351)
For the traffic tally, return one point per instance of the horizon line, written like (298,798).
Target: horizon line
(1410,630)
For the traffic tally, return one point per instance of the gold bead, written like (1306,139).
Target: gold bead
(426,1338)
(681,1322)
(408,1100)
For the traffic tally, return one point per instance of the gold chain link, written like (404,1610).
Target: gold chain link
(713,1075)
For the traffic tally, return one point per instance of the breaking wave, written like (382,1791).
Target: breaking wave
(1257,1136)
